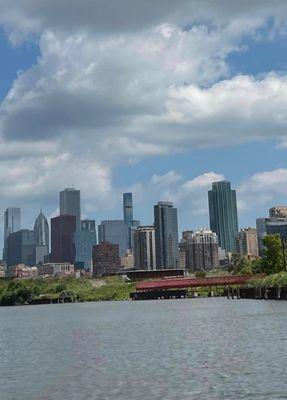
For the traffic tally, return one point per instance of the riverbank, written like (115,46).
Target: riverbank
(15,291)
(271,287)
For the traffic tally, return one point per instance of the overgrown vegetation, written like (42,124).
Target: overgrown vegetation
(272,262)
(23,291)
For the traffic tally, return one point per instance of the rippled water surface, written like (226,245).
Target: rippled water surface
(173,349)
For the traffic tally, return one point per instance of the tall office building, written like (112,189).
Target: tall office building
(223,214)
(21,248)
(12,223)
(144,248)
(62,238)
(200,249)
(128,208)
(128,217)
(246,242)
(42,239)
(166,235)
(84,242)
(114,231)
(41,229)
(70,204)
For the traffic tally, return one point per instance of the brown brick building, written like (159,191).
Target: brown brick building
(106,259)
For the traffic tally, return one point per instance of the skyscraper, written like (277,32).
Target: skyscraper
(166,235)
(70,204)
(114,231)
(12,223)
(144,248)
(223,214)
(62,238)
(41,229)
(84,241)
(21,248)
(128,217)
(128,208)
(42,240)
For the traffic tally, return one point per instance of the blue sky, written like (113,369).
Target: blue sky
(147,106)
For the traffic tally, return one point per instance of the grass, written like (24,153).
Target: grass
(20,291)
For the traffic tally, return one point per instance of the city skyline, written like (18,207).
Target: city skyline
(96,220)
(180,118)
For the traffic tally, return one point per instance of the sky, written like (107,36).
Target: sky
(157,98)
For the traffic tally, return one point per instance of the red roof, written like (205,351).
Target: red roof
(177,283)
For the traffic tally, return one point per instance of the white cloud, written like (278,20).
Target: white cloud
(119,81)
(263,189)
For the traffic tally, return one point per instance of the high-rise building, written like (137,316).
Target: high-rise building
(42,239)
(88,225)
(144,248)
(246,242)
(166,235)
(128,208)
(201,250)
(12,223)
(84,242)
(62,238)
(70,204)
(21,248)
(223,214)
(106,259)
(128,217)
(116,232)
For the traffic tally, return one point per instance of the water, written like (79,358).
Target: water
(165,350)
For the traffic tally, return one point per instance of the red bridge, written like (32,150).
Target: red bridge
(181,283)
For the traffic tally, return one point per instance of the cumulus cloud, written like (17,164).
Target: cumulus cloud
(263,189)
(32,16)
(120,81)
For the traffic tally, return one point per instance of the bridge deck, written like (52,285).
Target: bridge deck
(179,283)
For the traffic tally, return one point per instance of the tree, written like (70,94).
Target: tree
(273,259)
(238,263)
(200,274)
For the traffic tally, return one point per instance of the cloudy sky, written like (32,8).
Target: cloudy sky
(160,98)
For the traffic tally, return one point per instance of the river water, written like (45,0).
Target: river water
(165,350)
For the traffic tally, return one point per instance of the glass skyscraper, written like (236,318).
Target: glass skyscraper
(12,223)
(70,204)
(128,208)
(42,239)
(166,235)
(223,214)
(116,232)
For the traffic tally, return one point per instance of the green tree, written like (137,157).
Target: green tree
(238,263)
(273,260)
(200,274)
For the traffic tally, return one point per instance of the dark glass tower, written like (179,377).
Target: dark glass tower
(70,204)
(223,214)
(128,208)
(166,235)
